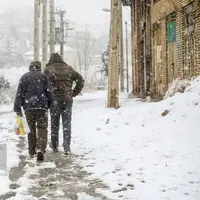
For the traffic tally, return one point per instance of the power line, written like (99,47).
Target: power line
(87,26)
(108,23)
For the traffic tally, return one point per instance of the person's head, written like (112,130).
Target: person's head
(55,58)
(35,65)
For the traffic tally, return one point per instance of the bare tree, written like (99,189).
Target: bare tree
(9,52)
(84,43)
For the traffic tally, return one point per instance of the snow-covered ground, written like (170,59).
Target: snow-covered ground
(136,151)
(10,139)
(137,146)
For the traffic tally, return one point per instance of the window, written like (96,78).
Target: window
(157,33)
(157,36)
(171,31)
(189,15)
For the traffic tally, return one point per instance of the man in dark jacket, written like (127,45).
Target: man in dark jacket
(35,95)
(62,77)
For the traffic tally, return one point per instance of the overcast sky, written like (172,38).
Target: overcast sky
(78,11)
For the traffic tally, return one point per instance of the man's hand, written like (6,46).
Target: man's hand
(19,114)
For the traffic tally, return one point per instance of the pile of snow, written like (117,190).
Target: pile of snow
(138,152)
(195,86)
(84,196)
(177,86)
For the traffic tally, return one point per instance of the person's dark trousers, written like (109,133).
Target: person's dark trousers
(37,120)
(59,109)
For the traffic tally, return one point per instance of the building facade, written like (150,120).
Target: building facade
(165,43)
(175,42)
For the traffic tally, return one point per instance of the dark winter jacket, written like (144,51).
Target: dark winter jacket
(34,90)
(62,77)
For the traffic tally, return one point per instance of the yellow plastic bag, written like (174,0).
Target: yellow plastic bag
(19,122)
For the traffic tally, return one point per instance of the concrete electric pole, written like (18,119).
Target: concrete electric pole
(67,28)
(36,35)
(121,49)
(44,34)
(127,70)
(62,33)
(52,26)
(113,71)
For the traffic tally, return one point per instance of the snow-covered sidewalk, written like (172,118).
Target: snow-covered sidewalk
(138,152)
(135,151)
(7,137)
(59,177)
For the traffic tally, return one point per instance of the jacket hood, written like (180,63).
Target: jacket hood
(35,65)
(55,58)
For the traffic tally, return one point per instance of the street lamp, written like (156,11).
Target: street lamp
(106,10)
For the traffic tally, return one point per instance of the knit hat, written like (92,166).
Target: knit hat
(35,65)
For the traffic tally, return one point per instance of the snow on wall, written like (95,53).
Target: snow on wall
(177,86)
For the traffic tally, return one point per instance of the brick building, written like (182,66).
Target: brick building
(175,42)
(165,43)
(141,45)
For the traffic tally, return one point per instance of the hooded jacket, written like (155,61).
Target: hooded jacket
(34,90)
(62,77)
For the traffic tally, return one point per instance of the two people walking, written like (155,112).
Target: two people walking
(52,90)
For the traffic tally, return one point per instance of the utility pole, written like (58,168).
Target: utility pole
(113,71)
(132,46)
(121,49)
(36,39)
(67,28)
(127,70)
(44,34)
(62,33)
(52,26)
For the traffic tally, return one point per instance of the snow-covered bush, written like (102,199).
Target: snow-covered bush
(9,79)
(177,86)
(4,91)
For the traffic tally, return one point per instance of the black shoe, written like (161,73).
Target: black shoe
(67,151)
(32,154)
(40,156)
(55,149)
